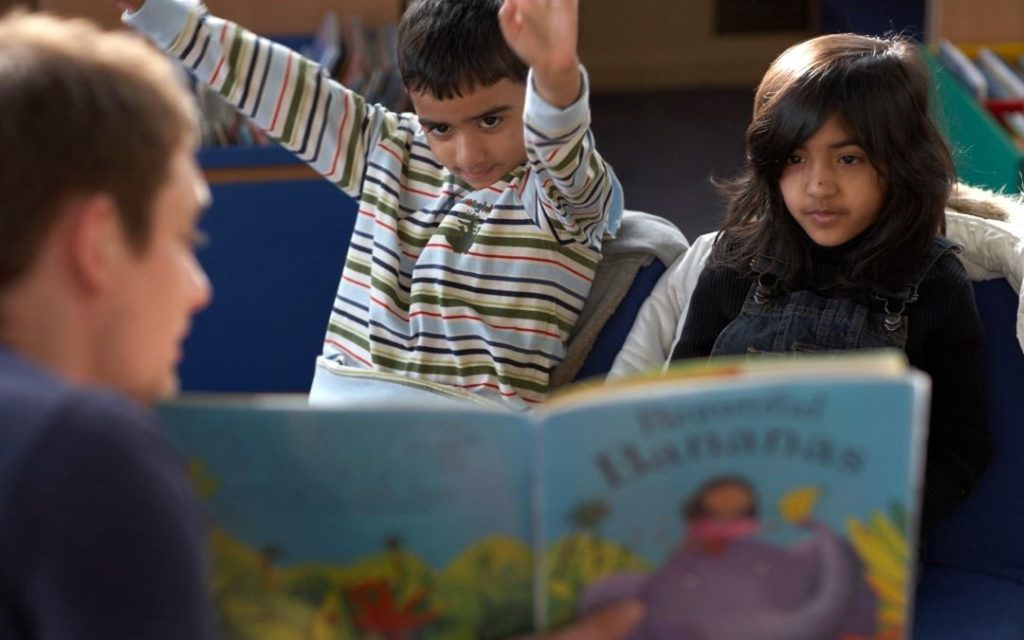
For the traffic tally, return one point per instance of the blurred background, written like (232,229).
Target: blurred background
(672,81)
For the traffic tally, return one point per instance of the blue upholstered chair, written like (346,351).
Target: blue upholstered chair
(972,583)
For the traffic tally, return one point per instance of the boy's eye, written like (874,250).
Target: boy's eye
(438,130)
(490,122)
(849,159)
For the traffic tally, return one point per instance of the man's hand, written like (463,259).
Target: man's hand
(614,622)
(544,34)
(130,5)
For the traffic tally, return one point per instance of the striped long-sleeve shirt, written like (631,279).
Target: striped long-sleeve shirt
(479,289)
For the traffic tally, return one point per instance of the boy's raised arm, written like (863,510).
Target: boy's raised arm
(289,97)
(544,34)
(571,185)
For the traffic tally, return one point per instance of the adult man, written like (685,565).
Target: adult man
(98,282)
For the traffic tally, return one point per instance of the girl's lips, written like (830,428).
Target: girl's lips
(823,216)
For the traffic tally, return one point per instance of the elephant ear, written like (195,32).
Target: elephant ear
(797,506)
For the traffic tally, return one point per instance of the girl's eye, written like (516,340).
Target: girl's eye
(794,159)
(490,122)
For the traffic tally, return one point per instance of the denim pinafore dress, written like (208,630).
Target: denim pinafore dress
(774,319)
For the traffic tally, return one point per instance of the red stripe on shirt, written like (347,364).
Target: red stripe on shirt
(220,63)
(284,87)
(477,254)
(341,129)
(348,351)
(355,282)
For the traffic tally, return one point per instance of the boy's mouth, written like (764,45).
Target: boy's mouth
(478,175)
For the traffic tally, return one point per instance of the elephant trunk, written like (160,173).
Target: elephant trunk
(827,611)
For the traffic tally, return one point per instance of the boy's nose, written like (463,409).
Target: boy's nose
(469,152)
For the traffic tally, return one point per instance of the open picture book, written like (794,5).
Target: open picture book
(773,498)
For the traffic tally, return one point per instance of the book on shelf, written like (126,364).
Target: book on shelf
(1004,84)
(962,68)
(996,82)
(768,498)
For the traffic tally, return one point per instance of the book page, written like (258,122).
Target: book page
(750,508)
(355,523)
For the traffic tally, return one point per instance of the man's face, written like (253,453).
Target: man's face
(156,291)
(478,136)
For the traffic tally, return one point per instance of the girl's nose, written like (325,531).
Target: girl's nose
(821,182)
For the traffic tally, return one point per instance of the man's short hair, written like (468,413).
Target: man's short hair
(82,112)
(447,48)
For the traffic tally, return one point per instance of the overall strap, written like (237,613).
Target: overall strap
(896,301)
(768,271)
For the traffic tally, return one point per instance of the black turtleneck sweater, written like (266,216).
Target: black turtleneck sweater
(943,340)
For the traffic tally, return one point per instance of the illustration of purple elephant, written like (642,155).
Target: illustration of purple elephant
(724,583)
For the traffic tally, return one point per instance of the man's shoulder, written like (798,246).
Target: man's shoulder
(36,405)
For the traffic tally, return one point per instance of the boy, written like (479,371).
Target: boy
(480,218)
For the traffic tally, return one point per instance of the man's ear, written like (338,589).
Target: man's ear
(96,241)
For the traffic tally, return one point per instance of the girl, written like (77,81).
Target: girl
(832,239)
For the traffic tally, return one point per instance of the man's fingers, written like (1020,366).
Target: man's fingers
(613,622)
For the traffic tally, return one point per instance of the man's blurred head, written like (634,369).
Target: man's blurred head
(101,199)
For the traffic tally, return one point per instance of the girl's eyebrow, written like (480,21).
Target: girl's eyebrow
(844,143)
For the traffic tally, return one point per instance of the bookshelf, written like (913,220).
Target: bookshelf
(986,154)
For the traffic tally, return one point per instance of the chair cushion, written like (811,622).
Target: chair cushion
(952,604)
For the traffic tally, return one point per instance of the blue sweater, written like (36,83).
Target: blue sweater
(100,536)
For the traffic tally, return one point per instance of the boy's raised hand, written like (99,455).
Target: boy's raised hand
(544,34)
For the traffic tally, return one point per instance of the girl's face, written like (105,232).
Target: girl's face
(830,188)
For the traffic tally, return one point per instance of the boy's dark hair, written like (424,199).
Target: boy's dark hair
(84,112)
(879,88)
(447,48)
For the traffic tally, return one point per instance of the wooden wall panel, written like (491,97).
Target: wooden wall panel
(976,21)
(659,44)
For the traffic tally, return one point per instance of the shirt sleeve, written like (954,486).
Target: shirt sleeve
(570,186)
(289,97)
(716,301)
(114,543)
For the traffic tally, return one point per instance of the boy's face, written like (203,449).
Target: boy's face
(478,136)
(157,290)
(830,186)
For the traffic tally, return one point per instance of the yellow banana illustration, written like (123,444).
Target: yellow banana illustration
(797,505)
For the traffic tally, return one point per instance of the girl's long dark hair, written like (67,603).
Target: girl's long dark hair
(879,88)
